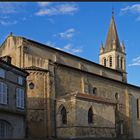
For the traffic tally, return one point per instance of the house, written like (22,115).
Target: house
(12,100)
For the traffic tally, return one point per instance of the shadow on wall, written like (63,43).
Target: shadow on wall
(85,124)
(37,118)
(123,125)
(100,127)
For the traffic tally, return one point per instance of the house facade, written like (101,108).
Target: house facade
(12,100)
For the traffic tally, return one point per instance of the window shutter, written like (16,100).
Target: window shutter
(2,73)
(17,97)
(0,92)
(0,98)
(5,94)
(20,80)
(20,98)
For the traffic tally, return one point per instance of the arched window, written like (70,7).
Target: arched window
(5,129)
(104,62)
(64,115)
(116,96)
(118,64)
(37,61)
(110,61)
(3,93)
(90,115)
(121,62)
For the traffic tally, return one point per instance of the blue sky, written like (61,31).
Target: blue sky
(76,27)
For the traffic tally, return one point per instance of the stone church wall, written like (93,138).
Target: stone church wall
(39,51)
(69,80)
(134,95)
(103,119)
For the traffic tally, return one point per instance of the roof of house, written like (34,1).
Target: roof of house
(2,62)
(87,96)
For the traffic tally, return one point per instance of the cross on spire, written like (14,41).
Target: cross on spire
(112,12)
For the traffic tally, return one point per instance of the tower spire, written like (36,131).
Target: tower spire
(112,55)
(112,35)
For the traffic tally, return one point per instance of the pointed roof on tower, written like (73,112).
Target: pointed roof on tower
(112,36)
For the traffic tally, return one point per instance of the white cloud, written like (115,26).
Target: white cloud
(69,48)
(7,23)
(59,48)
(43,12)
(67,9)
(9,7)
(133,9)
(43,4)
(67,34)
(135,62)
(51,20)
(60,9)
(49,43)
(9,13)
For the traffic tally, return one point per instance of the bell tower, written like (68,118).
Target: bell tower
(112,54)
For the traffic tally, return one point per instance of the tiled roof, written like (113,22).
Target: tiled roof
(90,97)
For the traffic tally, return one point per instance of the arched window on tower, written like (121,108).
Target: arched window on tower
(33,61)
(104,62)
(118,65)
(110,61)
(64,115)
(90,115)
(121,62)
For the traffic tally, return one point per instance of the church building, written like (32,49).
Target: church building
(72,97)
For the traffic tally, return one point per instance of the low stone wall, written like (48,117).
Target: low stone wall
(97,132)
(90,132)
